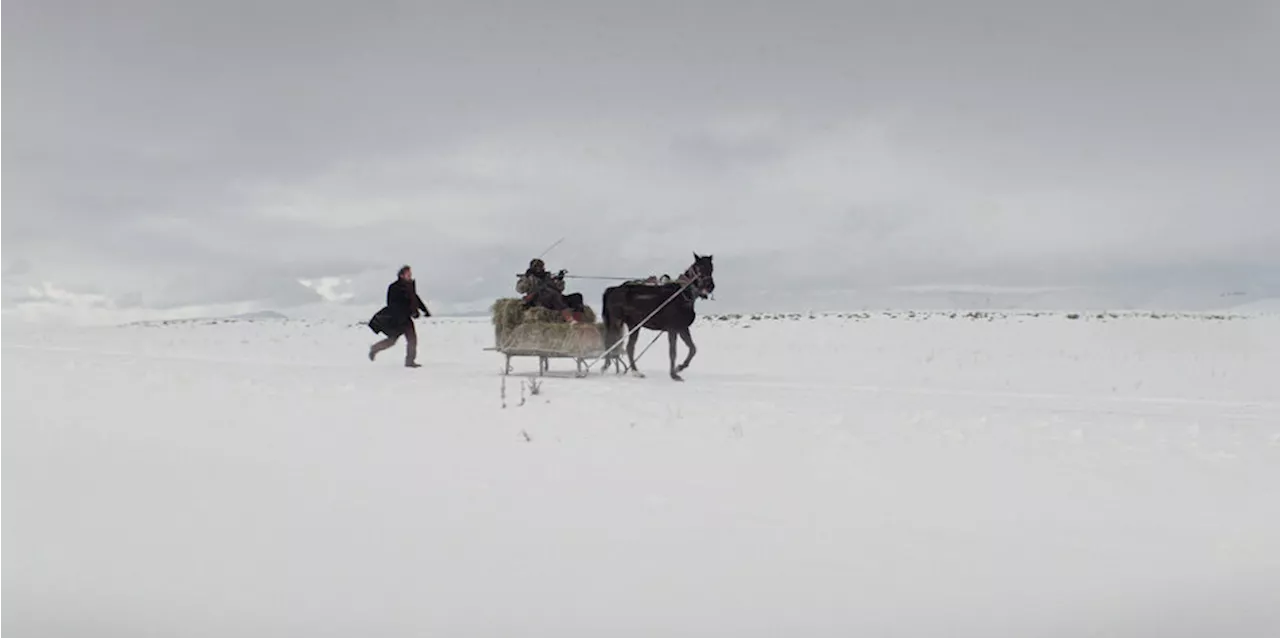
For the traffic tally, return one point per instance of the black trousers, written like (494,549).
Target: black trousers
(555,300)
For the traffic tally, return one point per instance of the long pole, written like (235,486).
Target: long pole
(544,253)
(646,348)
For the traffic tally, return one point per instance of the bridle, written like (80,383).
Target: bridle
(694,277)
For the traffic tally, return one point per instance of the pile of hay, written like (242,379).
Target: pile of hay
(583,339)
(509,313)
(517,327)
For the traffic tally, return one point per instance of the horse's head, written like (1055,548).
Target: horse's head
(702,273)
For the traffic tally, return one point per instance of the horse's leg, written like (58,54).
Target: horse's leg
(631,352)
(613,327)
(688,341)
(671,342)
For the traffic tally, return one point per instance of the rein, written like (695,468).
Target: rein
(688,279)
(604,278)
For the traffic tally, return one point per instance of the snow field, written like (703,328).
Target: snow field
(886,476)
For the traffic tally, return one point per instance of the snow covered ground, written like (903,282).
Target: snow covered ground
(879,475)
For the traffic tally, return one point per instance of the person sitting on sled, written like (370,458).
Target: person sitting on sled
(541,288)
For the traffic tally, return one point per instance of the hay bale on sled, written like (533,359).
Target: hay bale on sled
(539,329)
(564,339)
(509,313)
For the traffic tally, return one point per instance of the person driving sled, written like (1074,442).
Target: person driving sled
(541,288)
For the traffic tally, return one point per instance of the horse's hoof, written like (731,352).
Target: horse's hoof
(676,377)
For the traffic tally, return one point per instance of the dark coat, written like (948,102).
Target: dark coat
(403,304)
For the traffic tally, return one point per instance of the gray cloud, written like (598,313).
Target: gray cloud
(16,268)
(215,152)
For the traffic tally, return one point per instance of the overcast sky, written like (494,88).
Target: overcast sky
(168,154)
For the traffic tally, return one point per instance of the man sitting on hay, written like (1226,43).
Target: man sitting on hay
(540,322)
(541,288)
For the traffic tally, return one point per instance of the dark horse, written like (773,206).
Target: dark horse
(629,304)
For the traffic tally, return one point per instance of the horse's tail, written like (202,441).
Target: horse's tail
(610,328)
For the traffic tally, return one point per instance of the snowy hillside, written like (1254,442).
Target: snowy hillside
(905,474)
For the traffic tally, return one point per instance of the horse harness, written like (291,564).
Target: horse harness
(690,278)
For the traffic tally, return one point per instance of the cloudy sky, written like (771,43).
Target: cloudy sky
(170,155)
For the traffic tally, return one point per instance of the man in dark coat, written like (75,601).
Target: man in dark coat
(396,318)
